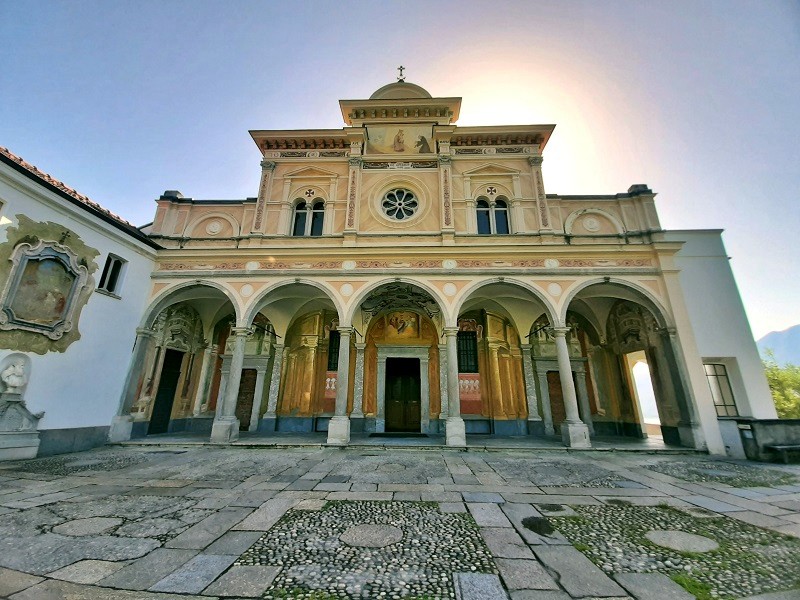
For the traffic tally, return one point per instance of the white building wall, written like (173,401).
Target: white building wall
(81,387)
(718,319)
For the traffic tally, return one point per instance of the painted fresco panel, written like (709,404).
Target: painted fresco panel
(400,139)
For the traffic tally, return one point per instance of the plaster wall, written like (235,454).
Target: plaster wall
(718,318)
(81,387)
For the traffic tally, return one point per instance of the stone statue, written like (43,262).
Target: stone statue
(14,376)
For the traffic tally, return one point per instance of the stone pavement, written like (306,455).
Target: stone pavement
(170,522)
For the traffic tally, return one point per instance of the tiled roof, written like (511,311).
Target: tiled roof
(64,190)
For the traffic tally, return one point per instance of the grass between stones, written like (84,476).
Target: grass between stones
(749,560)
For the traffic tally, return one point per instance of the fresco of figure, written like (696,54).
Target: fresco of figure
(399,144)
(422,144)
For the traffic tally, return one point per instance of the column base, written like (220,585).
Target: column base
(575,435)
(455,432)
(339,431)
(121,429)
(536,427)
(691,436)
(225,430)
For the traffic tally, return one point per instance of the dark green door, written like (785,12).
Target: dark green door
(402,394)
(162,409)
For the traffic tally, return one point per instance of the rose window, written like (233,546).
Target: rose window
(399,204)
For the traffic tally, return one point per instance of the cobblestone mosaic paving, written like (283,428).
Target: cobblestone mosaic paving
(555,473)
(733,474)
(749,560)
(99,461)
(317,564)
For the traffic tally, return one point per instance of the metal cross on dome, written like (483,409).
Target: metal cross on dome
(401,68)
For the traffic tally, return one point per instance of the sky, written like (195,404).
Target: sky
(698,99)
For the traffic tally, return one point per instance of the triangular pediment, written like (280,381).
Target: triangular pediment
(490,169)
(311,172)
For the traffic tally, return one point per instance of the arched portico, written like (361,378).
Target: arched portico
(171,359)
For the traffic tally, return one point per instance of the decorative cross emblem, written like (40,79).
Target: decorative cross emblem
(309,193)
(491,190)
(401,68)
(64,236)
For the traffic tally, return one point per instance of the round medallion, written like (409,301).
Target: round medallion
(551,263)
(346,290)
(399,204)
(246,291)
(554,289)
(371,536)
(450,289)
(214,227)
(591,224)
(449,264)
(349,265)
(252,265)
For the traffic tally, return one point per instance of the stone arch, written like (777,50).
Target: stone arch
(190,228)
(181,293)
(435,294)
(574,216)
(642,294)
(549,309)
(257,302)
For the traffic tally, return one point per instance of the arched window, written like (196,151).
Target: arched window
(308,219)
(484,222)
(492,216)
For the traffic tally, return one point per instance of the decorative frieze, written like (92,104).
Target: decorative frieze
(425,164)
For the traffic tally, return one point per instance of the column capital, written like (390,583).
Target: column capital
(450,331)
(535,161)
(345,331)
(525,347)
(560,331)
(360,346)
(268,165)
(355,162)
(241,331)
(144,332)
(444,159)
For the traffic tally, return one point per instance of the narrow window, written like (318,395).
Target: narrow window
(110,280)
(721,392)
(333,351)
(317,217)
(501,217)
(299,220)
(484,224)
(467,351)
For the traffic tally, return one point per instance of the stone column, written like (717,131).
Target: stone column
(534,419)
(264,192)
(202,382)
(122,423)
(353,189)
(456,434)
(547,410)
(689,429)
(258,397)
(445,187)
(380,408)
(358,384)
(339,426)
(574,432)
(226,426)
(270,417)
(443,411)
(583,399)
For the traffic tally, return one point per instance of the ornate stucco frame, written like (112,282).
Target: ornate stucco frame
(43,250)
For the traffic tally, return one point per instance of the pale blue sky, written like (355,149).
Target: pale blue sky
(700,100)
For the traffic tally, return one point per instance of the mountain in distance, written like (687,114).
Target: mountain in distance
(784,344)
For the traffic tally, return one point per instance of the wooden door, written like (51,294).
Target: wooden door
(402,394)
(244,403)
(556,399)
(167,386)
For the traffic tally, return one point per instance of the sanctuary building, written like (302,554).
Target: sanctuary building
(405,274)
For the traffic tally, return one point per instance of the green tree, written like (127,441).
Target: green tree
(784,381)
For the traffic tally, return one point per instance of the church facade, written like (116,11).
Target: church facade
(405,274)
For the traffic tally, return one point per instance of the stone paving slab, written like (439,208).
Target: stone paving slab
(149,570)
(209,529)
(478,586)
(525,575)
(488,515)
(788,595)
(267,515)
(87,571)
(233,542)
(652,586)
(53,589)
(243,581)
(197,574)
(576,573)
(14,581)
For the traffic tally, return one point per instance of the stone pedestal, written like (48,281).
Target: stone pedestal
(17,445)
(121,429)
(575,435)
(339,431)
(455,432)
(19,437)
(225,430)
